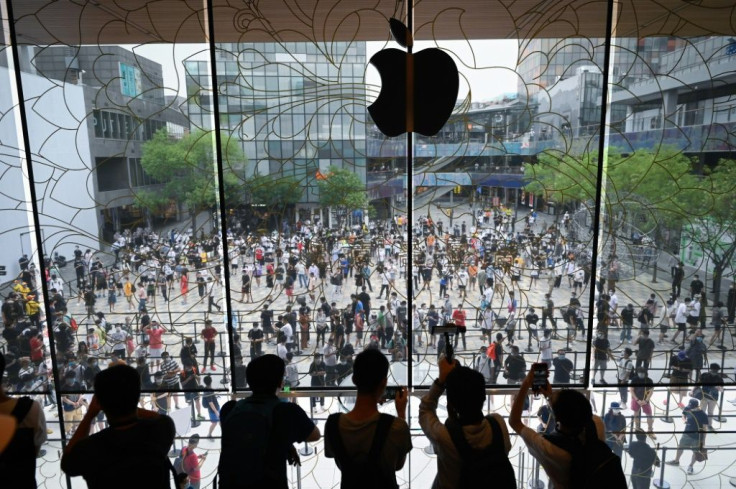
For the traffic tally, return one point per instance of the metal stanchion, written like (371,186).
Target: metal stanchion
(667,418)
(603,406)
(535,483)
(306,450)
(195,421)
(567,341)
(661,483)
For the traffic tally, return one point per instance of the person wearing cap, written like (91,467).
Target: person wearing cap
(680,368)
(615,423)
(693,436)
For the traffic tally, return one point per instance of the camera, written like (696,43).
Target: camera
(390,393)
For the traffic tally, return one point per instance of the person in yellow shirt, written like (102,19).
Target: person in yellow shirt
(33,310)
(128,291)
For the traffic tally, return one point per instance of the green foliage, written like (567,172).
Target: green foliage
(186,167)
(275,192)
(650,189)
(342,189)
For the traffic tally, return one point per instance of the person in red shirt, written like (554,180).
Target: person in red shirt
(37,349)
(458,317)
(209,335)
(184,284)
(192,463)
(155,342)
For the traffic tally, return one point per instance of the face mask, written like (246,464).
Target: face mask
(641,376)
(699,339)
(561,356)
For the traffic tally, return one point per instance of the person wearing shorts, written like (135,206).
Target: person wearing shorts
(641,388)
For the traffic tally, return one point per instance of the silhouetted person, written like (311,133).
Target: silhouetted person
(467,434)
(368,446)
(133,450)
(258,432)
(18,460)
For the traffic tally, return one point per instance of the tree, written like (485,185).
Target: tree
(342,190)
(187,171)
(711,225)
(653,190)
(277,194)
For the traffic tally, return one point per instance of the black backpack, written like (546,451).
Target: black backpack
(593,465)
(361,473)
(248,458)
(477,464)
(18,461)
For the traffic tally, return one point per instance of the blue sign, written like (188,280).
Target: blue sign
(130,80)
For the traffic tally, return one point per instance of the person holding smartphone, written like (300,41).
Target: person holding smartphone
(368,446)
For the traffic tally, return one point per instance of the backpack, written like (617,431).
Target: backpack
(179,462)
(248,457)
(361,473)
(491,351)
(477,464)
(593,465)
(18,461)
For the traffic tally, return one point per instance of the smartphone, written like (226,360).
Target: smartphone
(390,393)
(449,350)
(540,376)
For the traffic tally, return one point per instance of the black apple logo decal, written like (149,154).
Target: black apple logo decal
(418,91)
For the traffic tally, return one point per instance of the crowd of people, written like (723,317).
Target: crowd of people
(306,297)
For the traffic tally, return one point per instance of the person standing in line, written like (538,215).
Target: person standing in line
(209,336)
(644,459)
(693,436)
(184,287)
(209,399)
(615,423)
(192,462)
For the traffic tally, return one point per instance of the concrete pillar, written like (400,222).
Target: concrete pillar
(669,108)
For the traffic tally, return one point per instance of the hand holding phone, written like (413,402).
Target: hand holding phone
(540,377)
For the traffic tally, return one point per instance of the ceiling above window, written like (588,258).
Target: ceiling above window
(42,22)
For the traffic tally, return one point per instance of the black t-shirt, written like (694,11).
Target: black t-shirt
(121,458)
(643,456)
(563,368)
(695,420)
(639,390)
(680,368)
(601,346)
(266,319)
(709,382)
(532,319)
(646,347)
(516,366)
(290,425)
